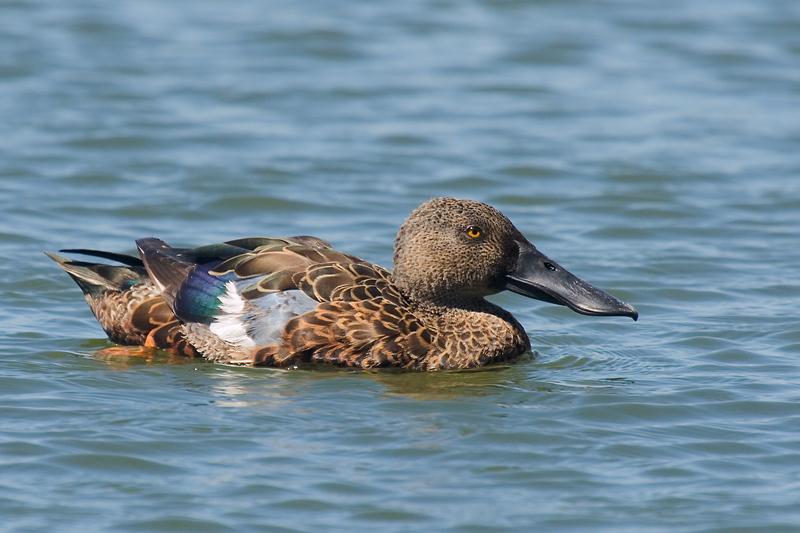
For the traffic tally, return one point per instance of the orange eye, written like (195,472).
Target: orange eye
(473,232)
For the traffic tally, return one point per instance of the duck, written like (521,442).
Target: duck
(296,301)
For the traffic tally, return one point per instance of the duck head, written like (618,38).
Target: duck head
(452,250)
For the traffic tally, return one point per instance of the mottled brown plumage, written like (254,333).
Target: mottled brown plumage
(429,313)
(127,304)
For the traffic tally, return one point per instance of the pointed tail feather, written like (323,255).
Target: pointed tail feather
(94,278)
(119,258)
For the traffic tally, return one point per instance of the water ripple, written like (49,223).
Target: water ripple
(650,149)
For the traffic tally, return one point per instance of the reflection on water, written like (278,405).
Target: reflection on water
(124,357)
(448,385)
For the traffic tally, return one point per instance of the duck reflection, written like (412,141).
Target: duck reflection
(244,385)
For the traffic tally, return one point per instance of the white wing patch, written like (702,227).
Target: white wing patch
(258,322)
(229,326)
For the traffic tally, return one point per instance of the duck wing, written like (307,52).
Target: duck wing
(379,331)
(360,318)
(286,300)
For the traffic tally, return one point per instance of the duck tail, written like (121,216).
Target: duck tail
(96,278)
(126,303)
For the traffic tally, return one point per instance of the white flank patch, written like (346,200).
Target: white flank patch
(232,302)
(230,325)
(258,322)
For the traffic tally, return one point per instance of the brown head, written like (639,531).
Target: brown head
(450,247)
(450,251)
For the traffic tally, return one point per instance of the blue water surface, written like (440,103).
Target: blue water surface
(652,148)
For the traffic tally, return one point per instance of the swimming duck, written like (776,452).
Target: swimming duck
(288,301)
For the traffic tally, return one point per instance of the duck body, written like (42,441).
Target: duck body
(293,301)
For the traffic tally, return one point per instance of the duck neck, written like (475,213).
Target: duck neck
(438,302)
(470,332)
(448,305)
(434,308)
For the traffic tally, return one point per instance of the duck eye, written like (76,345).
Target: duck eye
(473,232)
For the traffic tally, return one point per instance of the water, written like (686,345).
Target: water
(652,148)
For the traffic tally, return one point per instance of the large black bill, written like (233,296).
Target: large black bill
(538,277)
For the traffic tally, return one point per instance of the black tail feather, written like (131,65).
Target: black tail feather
(120,258)
(94,278)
